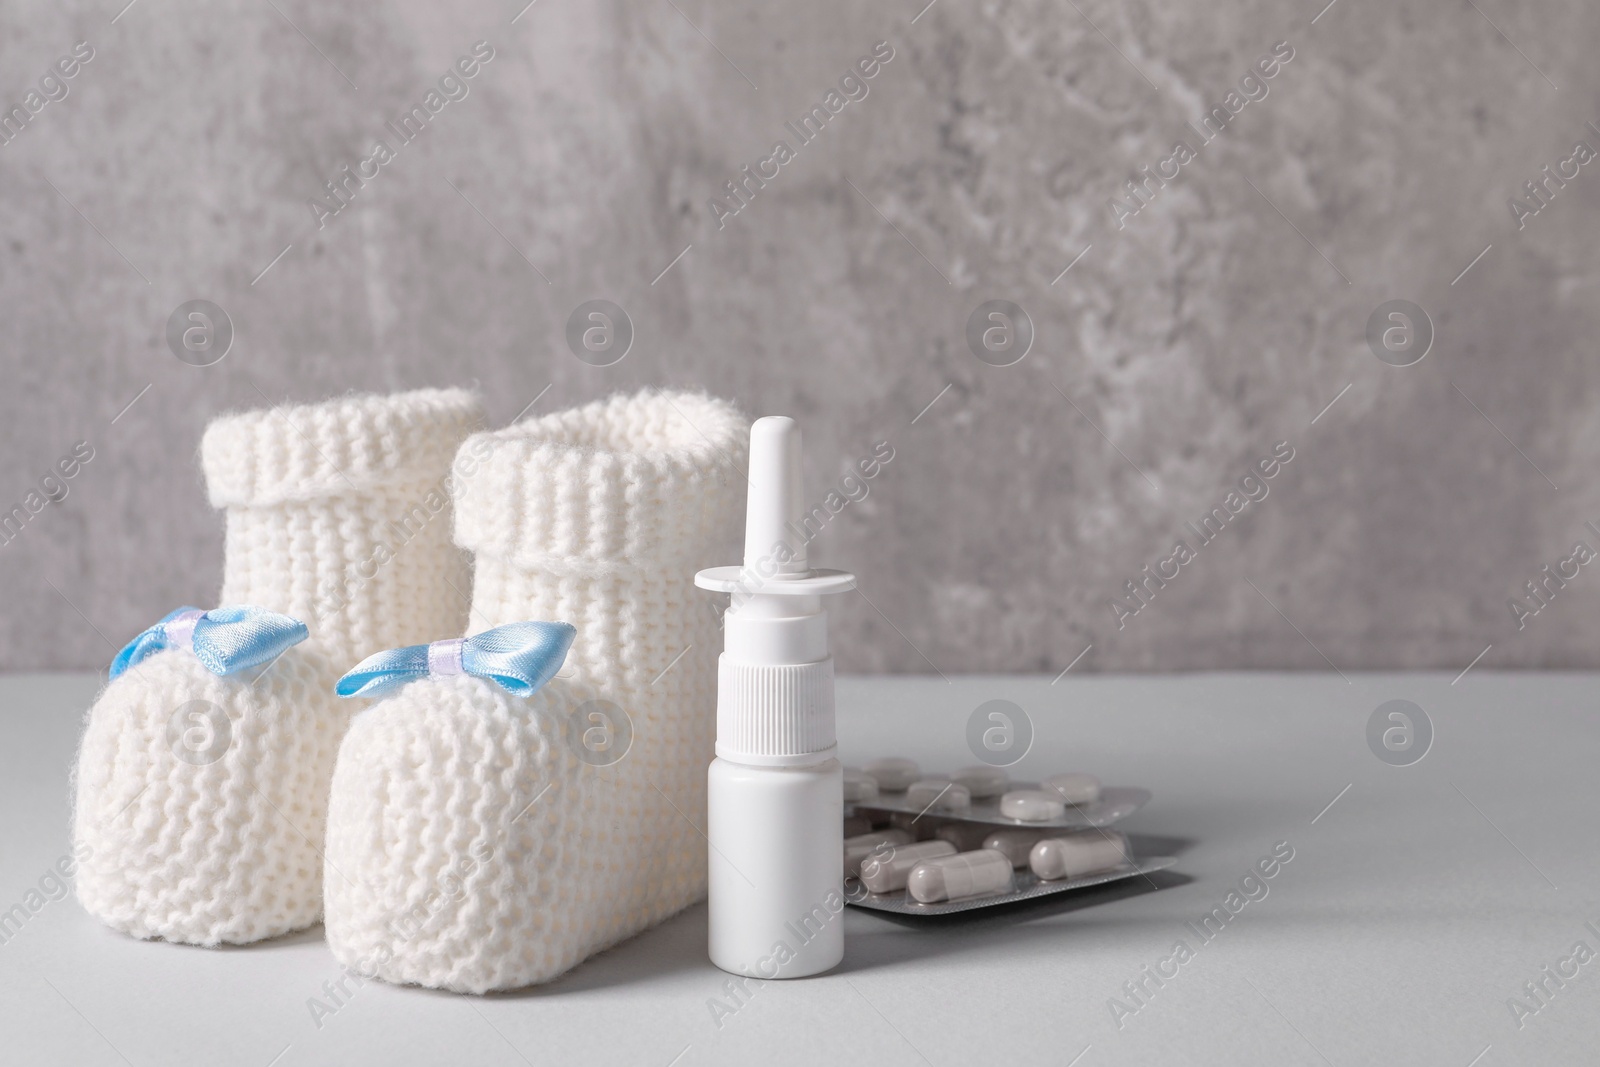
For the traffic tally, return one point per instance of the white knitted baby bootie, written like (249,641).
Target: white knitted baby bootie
(489,842)
(437,786)
(201,788)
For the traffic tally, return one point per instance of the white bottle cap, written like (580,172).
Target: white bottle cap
(775,677)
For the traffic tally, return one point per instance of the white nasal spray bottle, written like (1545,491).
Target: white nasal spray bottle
(775,795)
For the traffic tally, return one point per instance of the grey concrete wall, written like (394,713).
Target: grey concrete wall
(1185,342)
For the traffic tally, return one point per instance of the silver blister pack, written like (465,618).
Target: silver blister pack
(1026,886)
(1116,803)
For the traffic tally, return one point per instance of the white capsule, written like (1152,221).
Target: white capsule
(859,786)
(1013,844)
(886,870)
(967,836)
(893,774)
(983,781)
(1074,788)
(1032,805)
(938,794)
(855,825)
(968,874)
(857,848)
(1075,855)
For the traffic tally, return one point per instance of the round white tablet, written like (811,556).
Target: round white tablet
(1032,805)
(859,786)
(893,774)
(983,781)
(1074,788)
(938,794)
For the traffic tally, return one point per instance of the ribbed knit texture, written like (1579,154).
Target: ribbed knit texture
(339,514)
(600,517)
(225,845)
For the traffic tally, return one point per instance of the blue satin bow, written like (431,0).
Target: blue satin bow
(224,640)
(520,657)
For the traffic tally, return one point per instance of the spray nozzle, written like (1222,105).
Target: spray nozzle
(775,503)
(774,531)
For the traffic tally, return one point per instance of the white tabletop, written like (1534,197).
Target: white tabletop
(1414,908)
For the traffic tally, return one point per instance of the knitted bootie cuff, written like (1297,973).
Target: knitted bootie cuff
(349,445)
(631,481)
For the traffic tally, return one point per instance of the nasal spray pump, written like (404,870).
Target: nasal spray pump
(775,794)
